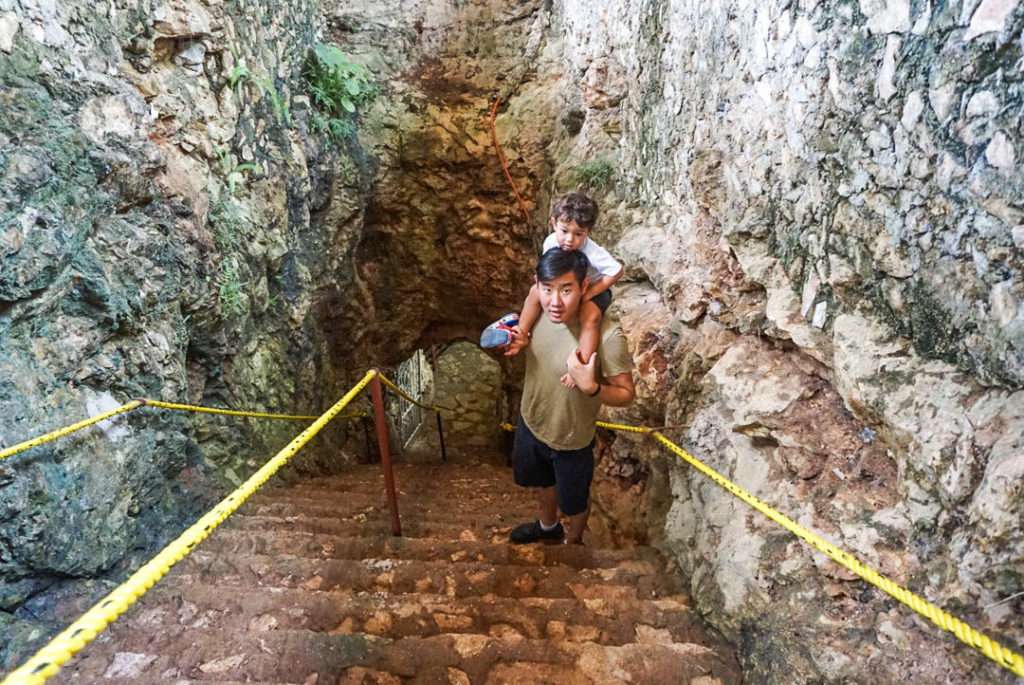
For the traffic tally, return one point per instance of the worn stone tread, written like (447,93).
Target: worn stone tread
(398,576)
(298,543)
(305,584)
(352,504)
(489,528)
(599,614)
(199,653)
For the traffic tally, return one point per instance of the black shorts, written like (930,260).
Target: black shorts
(536,465)
(603,299)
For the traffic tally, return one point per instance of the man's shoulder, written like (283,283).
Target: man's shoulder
(610,326)
(614,348)
(613,338)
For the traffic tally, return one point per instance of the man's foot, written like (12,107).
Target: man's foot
(499,333)
(532,532)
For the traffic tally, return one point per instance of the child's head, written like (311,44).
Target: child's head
(572,217)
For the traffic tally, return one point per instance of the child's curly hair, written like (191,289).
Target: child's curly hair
(575,206)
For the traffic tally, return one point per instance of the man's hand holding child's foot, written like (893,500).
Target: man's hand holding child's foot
(582,372)
(519,341)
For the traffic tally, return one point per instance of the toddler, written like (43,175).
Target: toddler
(572,217)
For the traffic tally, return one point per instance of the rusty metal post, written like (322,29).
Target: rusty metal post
(385,455)
(366,438)
(440,435)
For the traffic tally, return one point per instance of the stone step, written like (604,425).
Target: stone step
(320,546)
(465,528)
(404,576)
(608,619)
(286,502)
(452,479)
(307,657)
(126,669)
(210,655)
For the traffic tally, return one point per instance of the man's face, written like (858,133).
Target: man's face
(560,297)
(568,234)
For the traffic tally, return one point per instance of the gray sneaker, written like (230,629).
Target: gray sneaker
(532,532)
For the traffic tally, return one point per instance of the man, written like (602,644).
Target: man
(555,436)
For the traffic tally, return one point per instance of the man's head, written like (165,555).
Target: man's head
(572,217)
(561,281)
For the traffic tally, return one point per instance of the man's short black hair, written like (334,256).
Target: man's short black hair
(556,262)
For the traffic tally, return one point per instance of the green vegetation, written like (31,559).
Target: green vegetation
(596,174)
(234,173)
(338,87)
(264,85)
(181,331)
(230,286)
(226,225)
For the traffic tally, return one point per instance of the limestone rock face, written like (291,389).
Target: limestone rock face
(445,248)
(819,209)
(157,239)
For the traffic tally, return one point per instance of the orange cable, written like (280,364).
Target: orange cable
(497,148)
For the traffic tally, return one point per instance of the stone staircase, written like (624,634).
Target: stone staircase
(304,584)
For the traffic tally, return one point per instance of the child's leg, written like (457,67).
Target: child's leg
(590,332)
(590,328)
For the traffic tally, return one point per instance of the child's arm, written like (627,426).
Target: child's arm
(599,286)
(527,318)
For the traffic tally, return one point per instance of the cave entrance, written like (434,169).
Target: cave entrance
(468,384)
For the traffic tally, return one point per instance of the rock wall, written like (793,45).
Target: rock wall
(444,244)
(167,229)
(819,207)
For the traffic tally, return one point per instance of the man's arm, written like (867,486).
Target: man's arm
(527,318)
(619,391)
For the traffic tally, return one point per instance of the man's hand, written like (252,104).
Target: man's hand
(616,391)
(583,373)
(519,341)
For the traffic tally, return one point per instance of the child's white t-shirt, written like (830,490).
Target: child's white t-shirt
(601,262)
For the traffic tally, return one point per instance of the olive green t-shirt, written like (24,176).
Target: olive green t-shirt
(563,418)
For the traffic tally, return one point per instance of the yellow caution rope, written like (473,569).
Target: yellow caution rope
(22,446)
(965,633)
(142,402)
(402,393)
(50,658)
(229,412)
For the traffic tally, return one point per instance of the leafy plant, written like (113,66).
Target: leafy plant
(338,86)
(239,75)
(226,224)
(181,331)
(234,173)
(264,85)
(596,174)
(230,287)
